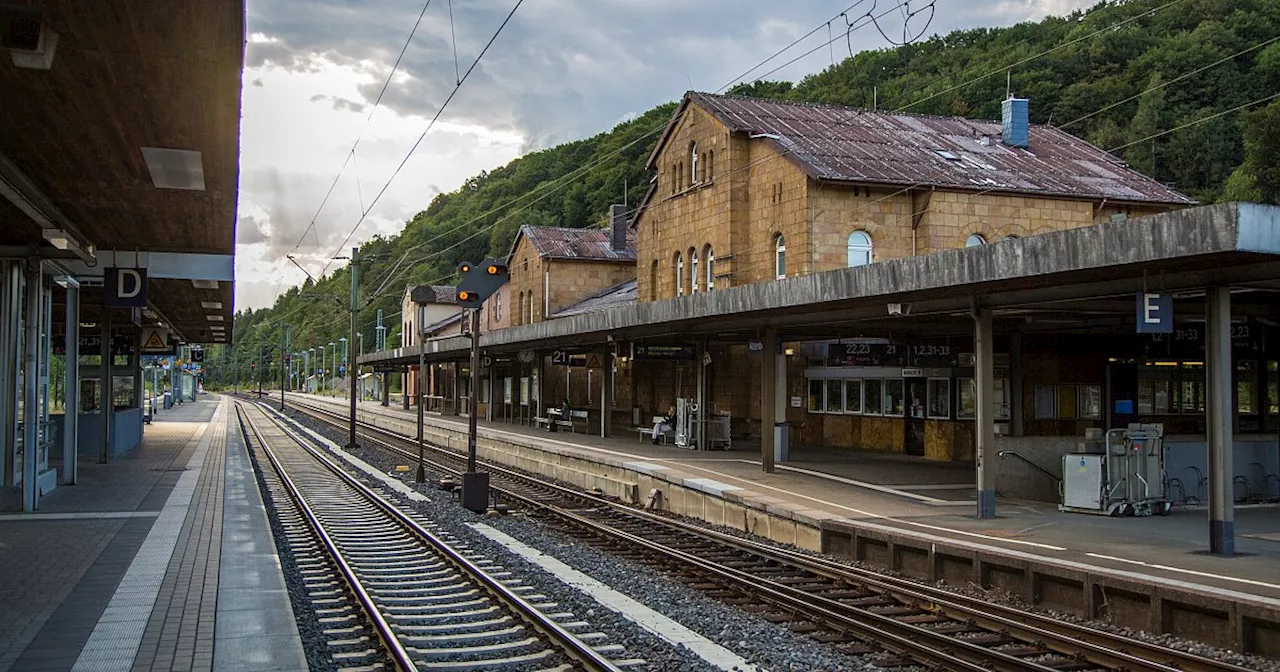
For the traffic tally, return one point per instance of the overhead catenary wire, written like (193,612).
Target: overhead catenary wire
(434,119)
(351,153)
(904,107)
(555,185)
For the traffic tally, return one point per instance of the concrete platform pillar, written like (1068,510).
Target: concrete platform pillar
(702,393)
(985,426)
(386,389)
(70,420)
(31,348)
(105,405)
(768,396)
(606,393)
(1217,350)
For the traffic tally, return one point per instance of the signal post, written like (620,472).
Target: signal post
(477,284)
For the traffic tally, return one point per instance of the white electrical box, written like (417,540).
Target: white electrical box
(1082,482)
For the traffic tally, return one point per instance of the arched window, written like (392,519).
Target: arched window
(679,269)
(528,308)
(518,316)
(711,165)
(653,281)
(974,240)
(497,306)
(709,258)
(693,271)
(779,257)
(859,249)
(693,163)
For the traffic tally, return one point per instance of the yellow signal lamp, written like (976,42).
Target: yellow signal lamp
(464,295)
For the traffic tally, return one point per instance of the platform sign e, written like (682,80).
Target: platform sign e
(124,287)
(1155,313)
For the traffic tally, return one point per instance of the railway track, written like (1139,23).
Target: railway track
(394,594)
(857,611)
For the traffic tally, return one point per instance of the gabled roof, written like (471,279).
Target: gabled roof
(618,295)
(554,242)
(848,144)
(446,322)
(445,294)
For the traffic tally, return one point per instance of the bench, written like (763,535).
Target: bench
(643,433)
(554,415)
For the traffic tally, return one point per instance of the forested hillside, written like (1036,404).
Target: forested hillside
(1121,75)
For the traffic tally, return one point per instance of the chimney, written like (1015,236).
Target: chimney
(1015,123)
(618,221)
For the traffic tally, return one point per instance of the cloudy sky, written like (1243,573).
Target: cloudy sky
(560,70)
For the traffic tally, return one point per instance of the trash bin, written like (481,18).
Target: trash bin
(781,441)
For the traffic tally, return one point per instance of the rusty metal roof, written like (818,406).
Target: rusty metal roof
(432,293)
(621,294)
(849,144)
(554,242)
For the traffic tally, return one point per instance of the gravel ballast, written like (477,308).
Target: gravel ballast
(634,575)
(764,644)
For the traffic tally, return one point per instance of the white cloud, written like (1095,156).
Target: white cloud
(561,70)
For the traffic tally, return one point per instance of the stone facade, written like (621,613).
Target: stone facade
(541,285)
(744,193)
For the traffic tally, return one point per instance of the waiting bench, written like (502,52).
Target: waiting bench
(647,432)
(554,415)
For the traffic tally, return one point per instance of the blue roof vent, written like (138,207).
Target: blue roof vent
(1015,122)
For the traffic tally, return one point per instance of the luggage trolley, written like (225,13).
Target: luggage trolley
(1126,479)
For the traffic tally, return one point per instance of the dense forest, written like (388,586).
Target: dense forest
(1178,89)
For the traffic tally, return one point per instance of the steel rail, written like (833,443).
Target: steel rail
(566,641)
(391,643)
(1101,647)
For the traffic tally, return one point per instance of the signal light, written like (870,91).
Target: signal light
(464,295)
(493,270)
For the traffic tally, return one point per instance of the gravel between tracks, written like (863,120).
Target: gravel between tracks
(764,644)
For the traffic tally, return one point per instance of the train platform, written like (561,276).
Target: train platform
(884,509)
(162,559)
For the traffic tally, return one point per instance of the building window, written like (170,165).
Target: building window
(1068,402)
(693,271)
(711,165)
(853,396)
(680,178)
(859,249)
(693,163)
(710,262)
(815,396)
(835,396)
(873,396)
(967,399)
(679,275)
(519,316)
(653,281)
(895,395)
(497,307)
(939,392)
(779,257)
(975,240)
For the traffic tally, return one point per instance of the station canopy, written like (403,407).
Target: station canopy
(119,146)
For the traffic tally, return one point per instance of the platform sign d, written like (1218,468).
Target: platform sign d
(1155,313)
(124,288)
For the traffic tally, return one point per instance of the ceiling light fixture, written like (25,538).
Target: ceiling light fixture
(205,284)
(214,318)
(174,168)
(27,37)
(211,305)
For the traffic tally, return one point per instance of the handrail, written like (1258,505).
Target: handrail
(1046,472)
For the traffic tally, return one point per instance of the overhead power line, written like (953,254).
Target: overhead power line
(414,148)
